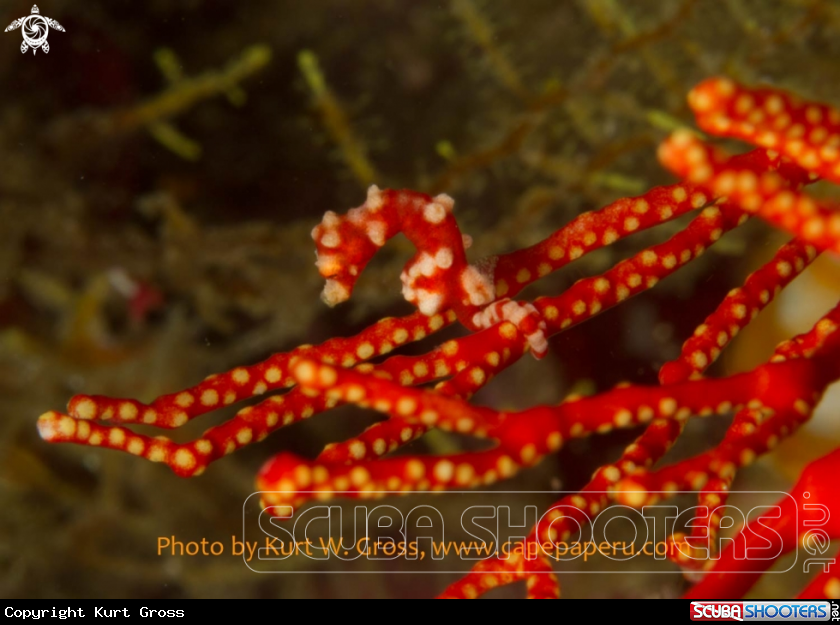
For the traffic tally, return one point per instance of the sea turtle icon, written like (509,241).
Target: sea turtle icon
(36,27)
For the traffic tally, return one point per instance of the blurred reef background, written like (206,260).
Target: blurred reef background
(162,168)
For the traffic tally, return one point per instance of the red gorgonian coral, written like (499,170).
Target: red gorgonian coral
(798,144)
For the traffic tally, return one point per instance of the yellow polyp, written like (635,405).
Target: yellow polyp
(446,150)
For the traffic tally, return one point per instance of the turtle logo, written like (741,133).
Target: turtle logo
(35,29)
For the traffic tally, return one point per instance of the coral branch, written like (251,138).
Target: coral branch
(766,193)
(172,411)
(754,431)
(590,296)
(594,230)
(808,133)
(776,534)
(738,308)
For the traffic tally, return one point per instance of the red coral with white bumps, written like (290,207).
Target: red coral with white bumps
(797,144)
